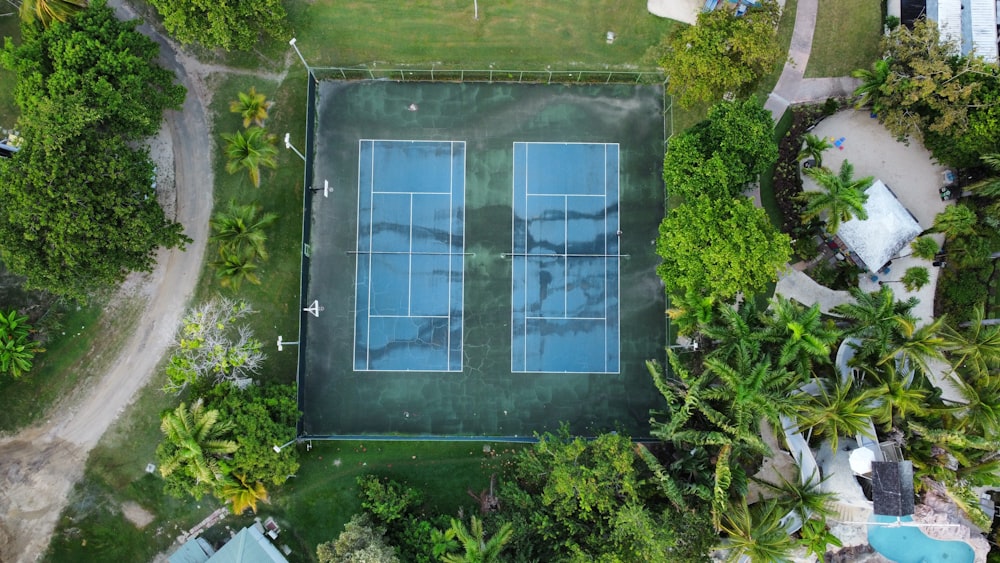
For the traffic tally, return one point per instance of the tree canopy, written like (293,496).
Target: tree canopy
(722,53)
(718,156)
(78,210)
(230,24)
(720,247)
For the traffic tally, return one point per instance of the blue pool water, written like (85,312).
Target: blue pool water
(907,544)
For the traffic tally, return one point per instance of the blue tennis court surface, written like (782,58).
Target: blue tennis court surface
(410,267)
(565,308)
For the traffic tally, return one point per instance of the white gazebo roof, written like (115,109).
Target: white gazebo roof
(888,228)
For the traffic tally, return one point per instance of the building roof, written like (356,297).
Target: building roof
(983,21)
(888,228)
(892,488)
(248,546)
(195,550)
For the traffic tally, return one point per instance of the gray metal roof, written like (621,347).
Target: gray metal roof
(888,228)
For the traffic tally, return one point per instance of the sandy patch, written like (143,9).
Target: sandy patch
(137,514)
(681,10)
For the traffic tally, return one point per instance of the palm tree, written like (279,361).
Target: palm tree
(17,349)
(842,196)
(838,410)
(733,328)
(690,311)
(954,221)
(234,267)
(751,388)
(870,91)
(980,411)
(813,147)
(915,278)
(990,187)
(478,549)
(976,347)
(807,499)
(899,393)
(801,332)
(47,11)
(250,151)
(242,494)
(915,346)
(756,532)
(240,228)
(251,106)
(878,320)
(925,247)
(195,442)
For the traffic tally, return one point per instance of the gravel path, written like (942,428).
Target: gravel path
(40,465)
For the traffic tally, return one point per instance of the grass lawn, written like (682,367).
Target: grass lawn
(785,28)
(519,34)
(9,27)
(846,38)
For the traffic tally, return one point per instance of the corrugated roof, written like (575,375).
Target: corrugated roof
(888,228)
(249,546)
(984,28)
(948,15)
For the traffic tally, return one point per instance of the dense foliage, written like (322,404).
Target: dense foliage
(230,24)
(722,53)
(79,209)
(17,347)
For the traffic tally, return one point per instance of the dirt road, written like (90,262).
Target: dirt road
(39,466)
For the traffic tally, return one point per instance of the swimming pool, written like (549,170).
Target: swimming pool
(907,544)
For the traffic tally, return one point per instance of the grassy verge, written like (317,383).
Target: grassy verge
(785,28)
(846,38)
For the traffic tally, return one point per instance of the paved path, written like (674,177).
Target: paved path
(793,87)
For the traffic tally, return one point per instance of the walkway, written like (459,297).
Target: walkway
(793,87)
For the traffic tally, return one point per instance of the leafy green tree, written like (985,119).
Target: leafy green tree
(250,151)
(262,416)
(841,197)
(721,247)
(243,494)
(230,24)
(756,532)
(837,409)
(813,147)
(79,210)
(239,229)
(360,542)
(46,12)
(193,451)
(387,500)
(721,53)
(955,221)
(213,347)
(477,547)
(720,155)
(873,80)
(17,348)
(925,247)
(251,106)
(915,278)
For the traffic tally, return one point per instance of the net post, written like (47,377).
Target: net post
(520,77)
(343,74)
(432,72)
(491,76)
(550,77)
(371,74)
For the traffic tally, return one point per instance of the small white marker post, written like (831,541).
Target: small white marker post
(282,344)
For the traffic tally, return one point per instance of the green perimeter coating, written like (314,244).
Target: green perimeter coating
(485,399)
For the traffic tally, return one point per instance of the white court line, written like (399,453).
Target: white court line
(412,193)
(357,262)
(451,226)
(606,259)
(566,195)
(565,251)
(409,316)
(371,243)
(409,279)
(416,141)
(567,318)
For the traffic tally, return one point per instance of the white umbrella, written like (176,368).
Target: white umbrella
(861,460)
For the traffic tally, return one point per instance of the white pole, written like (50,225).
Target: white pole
(475,4)
(288,145)
(303,59)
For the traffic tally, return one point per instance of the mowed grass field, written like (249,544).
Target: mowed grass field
(846,38)
(518,34)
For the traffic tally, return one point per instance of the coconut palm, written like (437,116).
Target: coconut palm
(990,187)
(980,409)
(841,197)
(974,348)
(478,548)
(900,393)
(838,410)
(915,346)
(240,228)
(813,147)
(251,106)
(869,93)
(807,499)
(925,247)
(752,387)
(801,332)
(756,532)
(233,268)
(690,311)
(47,11)
(733,328)
(915,278)
(250,151)
(243,494)
(955,221)
(17,349)
(878,320)
(195,442)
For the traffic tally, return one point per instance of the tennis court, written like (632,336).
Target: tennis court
(565,283)
(482,262)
